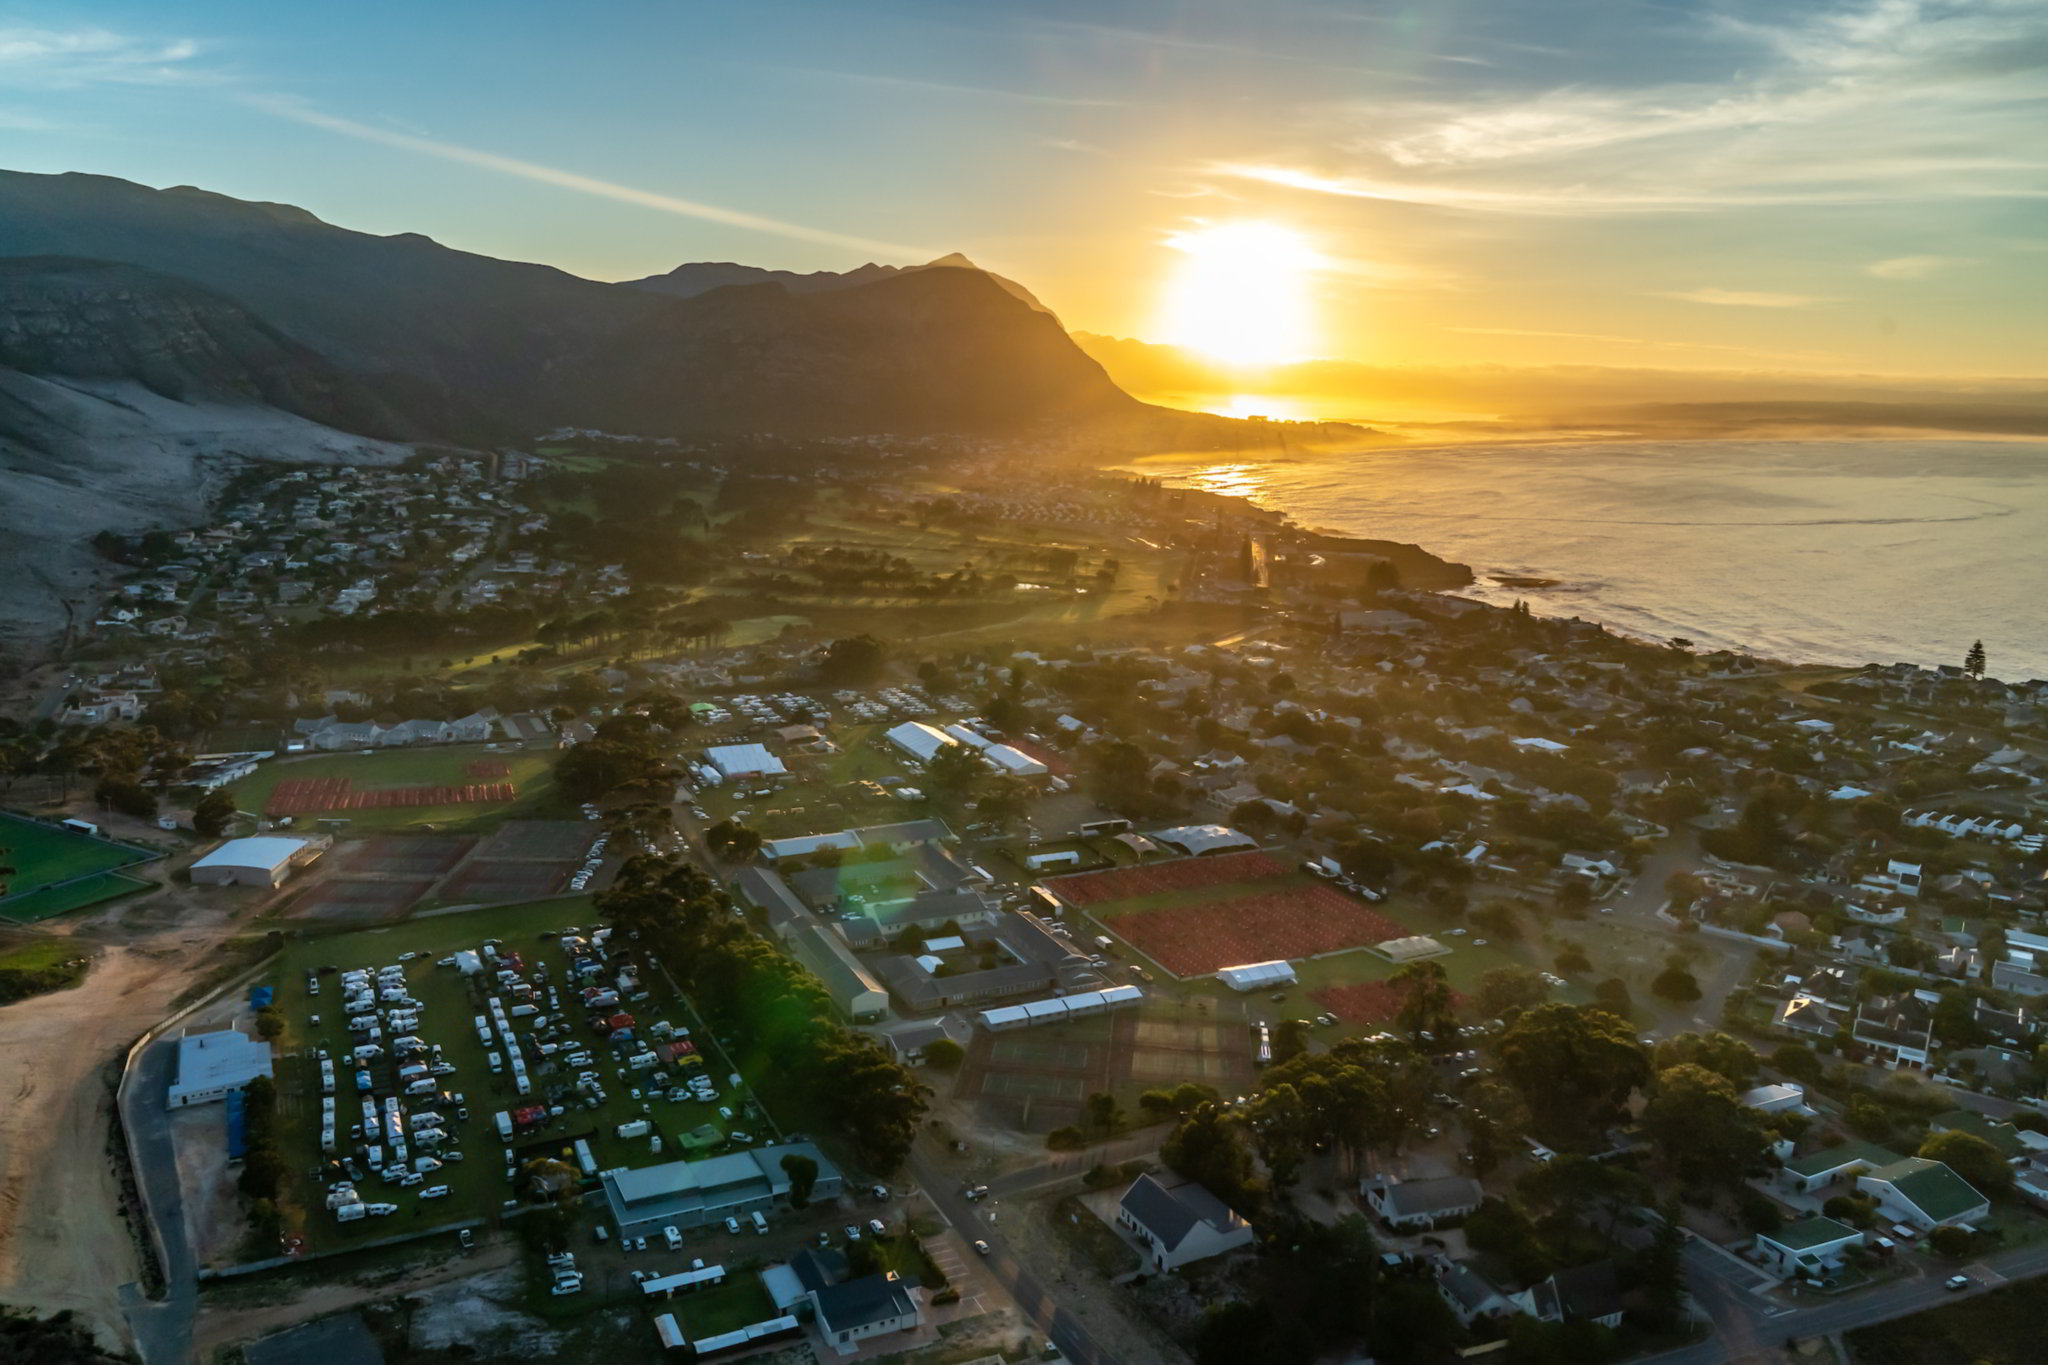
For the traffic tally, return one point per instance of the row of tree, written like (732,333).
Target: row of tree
(777,1013)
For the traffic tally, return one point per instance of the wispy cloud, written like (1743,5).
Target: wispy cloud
(948,88)
(1886,100)
(1742,298)
(1913,267)
(584,184)
(65,58)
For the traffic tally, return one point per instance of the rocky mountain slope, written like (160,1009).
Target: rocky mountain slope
(699,277)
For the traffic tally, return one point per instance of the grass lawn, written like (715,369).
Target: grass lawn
(479,1184)
(40,965)
(57,870)
(740,1301)
(532,775)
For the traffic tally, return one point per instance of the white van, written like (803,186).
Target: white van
(673,1238)
(760,1223)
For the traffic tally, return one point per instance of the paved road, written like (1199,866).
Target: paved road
(974,1222)
(1747,1327)
(162,1328)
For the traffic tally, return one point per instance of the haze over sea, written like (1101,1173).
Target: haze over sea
(1841,552)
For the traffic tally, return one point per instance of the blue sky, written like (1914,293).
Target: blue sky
(1851,186)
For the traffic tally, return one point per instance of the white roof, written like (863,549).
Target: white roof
(919,740)
(1538,742)
(1057,1007)
(268,852)
(971,738)
(744,760)
(1014,760)
(1204,838)
(940,945)
(209,1061)
(1252,975)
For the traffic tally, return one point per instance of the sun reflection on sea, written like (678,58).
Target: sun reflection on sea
(1231,480)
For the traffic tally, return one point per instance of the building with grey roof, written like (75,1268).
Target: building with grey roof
(691,1194)
(1179,1223)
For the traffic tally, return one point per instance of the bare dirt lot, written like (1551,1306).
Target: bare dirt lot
(63,1242)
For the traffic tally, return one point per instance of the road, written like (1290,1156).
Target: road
(1747,1327)
(162,1328)
(978,1221)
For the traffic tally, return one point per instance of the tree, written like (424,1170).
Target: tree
(853,661)
(1207,1149)
(1613,996)
(213,813)
(1798,1061)
(733,841)
(1575,1069)
(1428,1011)
(1972,1158)
(269,1024)
(1676,984)
(954,772)
(1701,1130)
(1101,1111)
(803,1174)
(1290,1040)
(1973,661)
(1506,989)
(127,796)
(944,1053)
(1717,1052)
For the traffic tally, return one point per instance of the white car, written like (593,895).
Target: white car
(571,1284)
(436,1192)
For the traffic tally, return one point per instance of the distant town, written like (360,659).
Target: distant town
(967,905)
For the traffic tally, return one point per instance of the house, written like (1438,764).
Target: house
(1825,1167)
(1180,1224)
(1898,1029)
(1777,1099)
(1414,1204)
(1925,1194)
(854,1311)
(1810,1247)
(1470,1295)
(853,989)
(1586,1293)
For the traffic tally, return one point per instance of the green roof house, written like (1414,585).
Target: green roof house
(1923,1194)
(1830,1164)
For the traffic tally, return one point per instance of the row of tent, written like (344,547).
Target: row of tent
(1053,1010)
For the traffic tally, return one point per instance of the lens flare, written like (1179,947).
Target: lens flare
(1240,294)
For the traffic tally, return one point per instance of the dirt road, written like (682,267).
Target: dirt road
(63,1241)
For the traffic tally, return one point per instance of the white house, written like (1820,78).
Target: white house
(1180,1224)
(855,1311)
(739,761)
(1924,1194)
(1409,1204)
(1814,1245)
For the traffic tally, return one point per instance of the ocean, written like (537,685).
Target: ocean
(1834,552)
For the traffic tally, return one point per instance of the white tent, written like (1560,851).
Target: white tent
(1254,976)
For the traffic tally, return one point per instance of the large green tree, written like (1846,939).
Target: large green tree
(1575,1068)
(1972,1158)
(1701,1130)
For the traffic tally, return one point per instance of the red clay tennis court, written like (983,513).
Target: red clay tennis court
(303,795)
(1185,874)
(1308,921)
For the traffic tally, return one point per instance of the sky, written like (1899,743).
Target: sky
(1773,185)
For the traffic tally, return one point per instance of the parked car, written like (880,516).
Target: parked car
(980,1247)
(1956,1282)
(436,1192)
(465,1239)
(732,1225)
(853,1232)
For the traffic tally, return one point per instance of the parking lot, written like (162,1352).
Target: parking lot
(626,1099)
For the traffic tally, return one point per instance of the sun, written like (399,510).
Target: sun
(1240,294)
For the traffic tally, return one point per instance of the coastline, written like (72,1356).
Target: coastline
(1744,549)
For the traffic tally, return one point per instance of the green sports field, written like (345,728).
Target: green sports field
(57,870)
